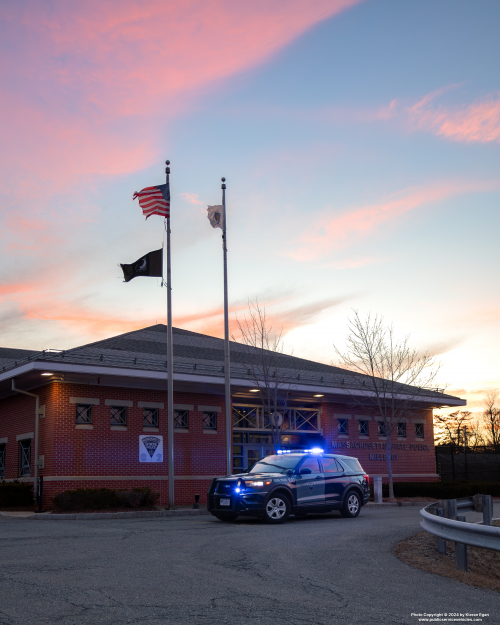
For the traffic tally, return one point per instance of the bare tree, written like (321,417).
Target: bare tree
(265,350)
(393,374)
(491,416)
(453,428)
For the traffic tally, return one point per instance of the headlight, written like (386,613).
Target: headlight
(258,483)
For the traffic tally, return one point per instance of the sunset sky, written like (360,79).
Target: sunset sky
(360,141)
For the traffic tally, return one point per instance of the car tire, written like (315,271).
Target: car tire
(277,509)
(226,516)
(352,505)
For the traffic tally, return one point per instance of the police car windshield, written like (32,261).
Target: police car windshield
(275,464)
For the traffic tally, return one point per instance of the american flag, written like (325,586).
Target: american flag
(154,200)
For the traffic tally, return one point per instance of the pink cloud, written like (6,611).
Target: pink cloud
(475,122)
(331,233)
(37,302)
(93,82)
(479,121)
(192,198)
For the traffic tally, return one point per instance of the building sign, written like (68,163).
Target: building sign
(382,457)
(367,445)
(150,448)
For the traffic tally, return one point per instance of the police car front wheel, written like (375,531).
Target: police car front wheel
(277,509)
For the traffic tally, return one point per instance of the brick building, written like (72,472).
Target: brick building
(103,417)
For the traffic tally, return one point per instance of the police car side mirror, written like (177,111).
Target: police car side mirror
(289,471)
(305,471)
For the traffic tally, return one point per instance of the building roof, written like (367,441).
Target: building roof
(10,355)
(195,356)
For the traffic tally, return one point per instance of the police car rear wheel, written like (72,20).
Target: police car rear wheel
(277,509)
(226,516)
(352,505)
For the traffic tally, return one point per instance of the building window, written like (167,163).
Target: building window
(402,429)
(209,420)
(84,413)
(150,417)
(118,415)
(181,419)
(363,428)
(25,457)
(381,428)
(342,426)
(419,430)
(2,460)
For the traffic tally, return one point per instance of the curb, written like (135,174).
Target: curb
(398,504)
(155,514)
(97,516)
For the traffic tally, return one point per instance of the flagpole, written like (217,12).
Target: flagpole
(227,368)
(170,367)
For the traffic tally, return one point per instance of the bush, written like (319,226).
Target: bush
(442,490)
(16,494)
(98,498)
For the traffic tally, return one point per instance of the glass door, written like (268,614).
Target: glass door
(249,448)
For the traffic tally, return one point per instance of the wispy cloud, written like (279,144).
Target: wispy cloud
(475,122)
(280,315)
(93,81)
(442,347)
(192,198)
(328,234)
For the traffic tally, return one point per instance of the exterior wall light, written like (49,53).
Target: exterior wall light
(47,374)
(319,396)
(254,390)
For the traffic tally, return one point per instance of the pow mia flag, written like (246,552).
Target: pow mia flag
(150,265)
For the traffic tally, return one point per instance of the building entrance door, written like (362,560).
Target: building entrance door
(249,448)
(256,452)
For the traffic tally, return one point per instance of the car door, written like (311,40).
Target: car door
(335,480)
(310,486)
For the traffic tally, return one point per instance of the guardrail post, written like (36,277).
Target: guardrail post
(487,510)
(451,508)
(441,541)
(461,552)
(377,489)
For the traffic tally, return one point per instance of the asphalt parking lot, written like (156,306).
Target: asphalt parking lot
(322,569)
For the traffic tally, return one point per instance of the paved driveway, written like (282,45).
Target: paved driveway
(317,570)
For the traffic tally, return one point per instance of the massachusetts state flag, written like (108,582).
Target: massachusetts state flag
(154,200)
(216,216)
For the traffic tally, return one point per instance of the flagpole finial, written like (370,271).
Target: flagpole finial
(167,170)
(223,186)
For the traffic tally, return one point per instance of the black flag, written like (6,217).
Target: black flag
(150,265)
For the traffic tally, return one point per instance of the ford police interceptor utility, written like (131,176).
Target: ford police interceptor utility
(291,483)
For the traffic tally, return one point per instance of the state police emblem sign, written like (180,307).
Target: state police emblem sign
(150,448)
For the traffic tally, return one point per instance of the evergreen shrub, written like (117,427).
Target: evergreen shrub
(98,498)
(16,494)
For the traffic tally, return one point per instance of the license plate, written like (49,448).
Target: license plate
(225,502)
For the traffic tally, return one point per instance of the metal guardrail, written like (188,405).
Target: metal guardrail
(441,520)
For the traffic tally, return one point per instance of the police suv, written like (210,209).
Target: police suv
(291,483)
